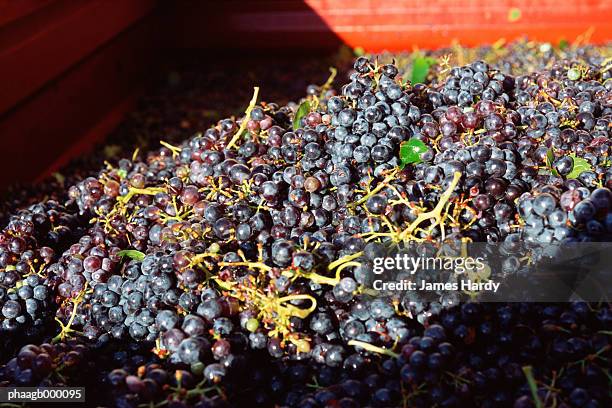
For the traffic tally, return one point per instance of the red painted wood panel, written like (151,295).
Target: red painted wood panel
(377,25)
(11,10)
(40,46)
(62,115)
(399,24)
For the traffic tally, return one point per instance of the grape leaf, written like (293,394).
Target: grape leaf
(514,14)
(420,69)
(411,151)
(132,253)
(550,157)
(359,51)
(303,110)
(580,165)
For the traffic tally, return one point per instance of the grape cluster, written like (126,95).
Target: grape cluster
(579,214)
(45,365)
(236,265)
(466,85)
(28,245)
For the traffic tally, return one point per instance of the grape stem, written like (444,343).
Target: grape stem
(258,265)
(373,348)
(243,124)
(436,213)
(329,82)
(174,149)
(343,260)
(294,310)
(270,307)
(533,387)
(313,276)
(376,189)
(66,329)
(133,191)
(199,258)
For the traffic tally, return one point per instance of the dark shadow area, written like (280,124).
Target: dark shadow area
(286,27)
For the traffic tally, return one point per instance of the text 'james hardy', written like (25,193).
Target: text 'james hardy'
(464,285)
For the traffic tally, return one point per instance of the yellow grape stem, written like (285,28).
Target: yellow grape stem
(436,212)
(373,348)
(344,259)
(243,125)
(258,265)
(313,276)
(376,189)
(294,310)
(145,191)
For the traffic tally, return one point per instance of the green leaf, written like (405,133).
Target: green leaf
(411,151)
(122,173)
(580,166)
(359,51)
(563,44)
(514,14)
(550,158)
(132,253)
(303,110)
(420,69)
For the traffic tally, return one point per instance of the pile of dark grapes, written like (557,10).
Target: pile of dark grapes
(232,268)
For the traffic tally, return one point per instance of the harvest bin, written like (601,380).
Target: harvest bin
(70,70)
